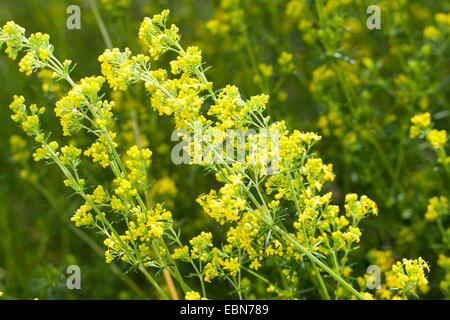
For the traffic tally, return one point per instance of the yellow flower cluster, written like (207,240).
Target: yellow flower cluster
(257,205)
(27,117)
(437,208)
(422,126)
(138,162)
(334,231)
(37,46)
(117,68)
(49,84)
(285,61)
(411,273)
(116,7)
(70,155)
(200,246)
(444,263)
(99,195)
(18,148)
(229,17)
(99,151)
(420,123)
(12,34)
(398,280)
(187,61)
(232,112)
(244,233)
(216,262)
(83,216)
(178,97)
(225,205)
(358,209)
(149,224)
(232,265)
(437,138)
(72,108)
(113,245)
(124,189)
(193,295)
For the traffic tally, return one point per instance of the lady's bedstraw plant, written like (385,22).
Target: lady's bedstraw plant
(278,219)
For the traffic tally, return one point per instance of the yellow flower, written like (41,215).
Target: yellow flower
(181,253)
(443,18)
(99,151)
(72,107)
(358,209)
(26,64)
(187,61)
(18,148)
(285,61)
(368,295)
(165,186)
(117,204)
(231,264)
(255,264)
(420,123)
(99,195)
(431,32)
(82,216)
(444,263)
(13,35)
(70,155)
(200,245)
(117,68)
(117,7)
(124,188)
(422,120)
(294,8)
(137,163)
(411,273)
(437,208)
(149,224)
(193,295)
(155,36)
(266,70)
